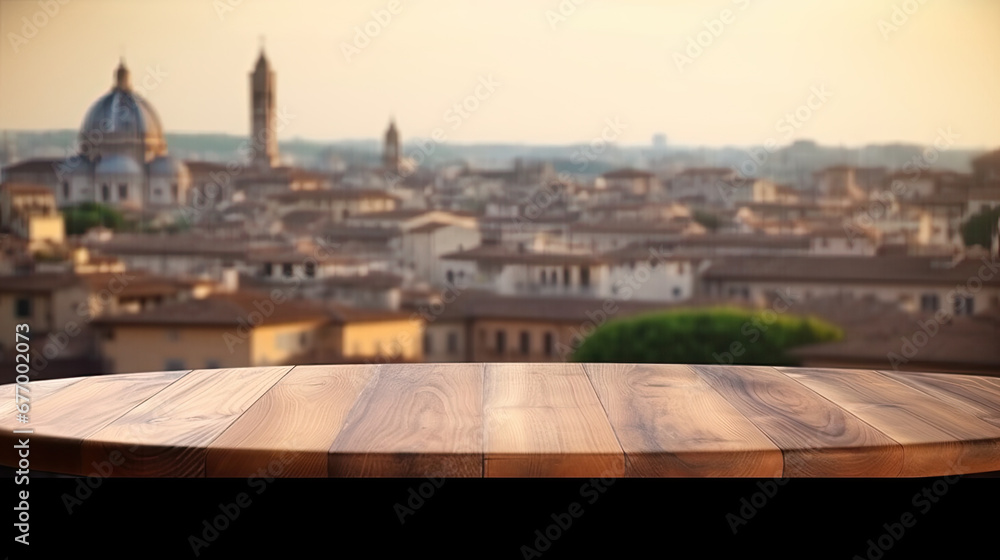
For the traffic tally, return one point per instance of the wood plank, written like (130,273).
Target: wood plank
(289,430)
(37,392)
(174,427)
(817,437)
(414,420)
(670,422)
(979,394)
(65,418)
(546,420)
(938,438)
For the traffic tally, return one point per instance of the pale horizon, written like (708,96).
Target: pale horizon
(555,81)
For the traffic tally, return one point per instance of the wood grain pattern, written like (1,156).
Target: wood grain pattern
(168,434)
(817,437)
(546,420)
(936,435)
(289,430)
(979,395)
(94,402)
(670,422)
(37,392)
(421,420)
(502,420)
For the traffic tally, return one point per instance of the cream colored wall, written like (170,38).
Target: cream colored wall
(281,344)
(50,312)
(135,349)
(46,228)
(401,339)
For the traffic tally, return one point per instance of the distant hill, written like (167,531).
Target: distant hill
(786,164)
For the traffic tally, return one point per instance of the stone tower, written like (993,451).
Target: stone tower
(263,119)
(390,155)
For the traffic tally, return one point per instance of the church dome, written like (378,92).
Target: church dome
(166,166)
(122,122)
(118,165)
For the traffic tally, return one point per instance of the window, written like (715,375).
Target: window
(65,190)
(547,343)
(929,302)
(554,278)
(428,343)
(268,269)
(22,307)
(501,342)
(311,269)
(105,192)
(450,277)
(286,269)
(964,305)
(585,276)
(677,292)
(566,276)
(452,343)
(525,343)
(542,276)
(122,192)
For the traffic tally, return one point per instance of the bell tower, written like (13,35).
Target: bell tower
(390,154)
(263,120)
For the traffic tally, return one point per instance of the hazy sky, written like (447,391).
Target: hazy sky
(557,81)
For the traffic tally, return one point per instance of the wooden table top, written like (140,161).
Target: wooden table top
(510,420)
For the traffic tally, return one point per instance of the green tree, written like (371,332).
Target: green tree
(978,230)
(704,336)
(87,215)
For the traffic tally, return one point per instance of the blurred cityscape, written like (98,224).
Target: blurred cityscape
(148,251)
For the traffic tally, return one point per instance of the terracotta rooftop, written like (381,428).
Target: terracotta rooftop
(331,194)
(833,269)
(502,254)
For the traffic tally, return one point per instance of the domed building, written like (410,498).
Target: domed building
(123,158)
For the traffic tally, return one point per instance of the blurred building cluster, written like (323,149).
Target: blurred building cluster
(251,262)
